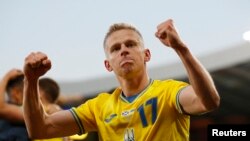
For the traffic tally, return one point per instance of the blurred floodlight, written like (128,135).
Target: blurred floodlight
(246,36)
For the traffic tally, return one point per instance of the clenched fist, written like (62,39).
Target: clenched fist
(36,64)
(168,35)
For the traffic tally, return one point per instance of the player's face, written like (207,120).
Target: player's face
(125,52)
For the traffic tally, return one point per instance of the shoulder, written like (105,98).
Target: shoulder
(169,83)
(106,95)
(169,88)
(97,103)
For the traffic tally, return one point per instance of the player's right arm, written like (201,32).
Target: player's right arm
(39,124)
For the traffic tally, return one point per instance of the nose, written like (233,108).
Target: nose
(124,50)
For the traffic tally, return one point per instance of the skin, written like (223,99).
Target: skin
(11,112)
(127,58)
(201,96)
(36,65)
(50,107)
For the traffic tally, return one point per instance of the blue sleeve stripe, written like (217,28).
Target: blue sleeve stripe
(179,107)
(78,121)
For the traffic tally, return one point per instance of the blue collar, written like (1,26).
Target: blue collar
(130,99)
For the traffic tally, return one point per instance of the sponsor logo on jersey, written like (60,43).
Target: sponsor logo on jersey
(127,113)
(110,117)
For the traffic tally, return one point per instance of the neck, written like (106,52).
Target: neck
(135,85)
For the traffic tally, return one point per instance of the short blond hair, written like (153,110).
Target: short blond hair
(120,26)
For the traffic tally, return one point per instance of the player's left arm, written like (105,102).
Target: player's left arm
(201,96)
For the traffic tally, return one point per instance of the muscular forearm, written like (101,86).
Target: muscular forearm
(200,79)
(34,114)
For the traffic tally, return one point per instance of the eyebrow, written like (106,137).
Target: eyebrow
(113,46)
(126,41)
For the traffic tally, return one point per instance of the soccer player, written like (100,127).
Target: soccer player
(12,125)
(140,108)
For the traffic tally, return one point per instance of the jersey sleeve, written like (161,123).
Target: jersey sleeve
(178,105)
(85,115)
(173,89)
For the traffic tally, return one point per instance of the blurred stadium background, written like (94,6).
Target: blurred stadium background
(64,30)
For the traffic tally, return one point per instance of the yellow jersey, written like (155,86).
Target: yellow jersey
(153,115)
(53,139)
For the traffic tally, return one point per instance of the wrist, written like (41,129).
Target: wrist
(31,80)
(181,49)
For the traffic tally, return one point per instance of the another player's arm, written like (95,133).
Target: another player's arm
(202,95)
(38,123)
(8,111)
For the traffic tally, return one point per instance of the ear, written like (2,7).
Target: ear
(147,55)
(108,66)
(15,96)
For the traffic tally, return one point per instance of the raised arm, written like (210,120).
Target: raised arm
(201,96)
(10,112)
(39,124)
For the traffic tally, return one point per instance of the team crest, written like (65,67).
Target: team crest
(129,135)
